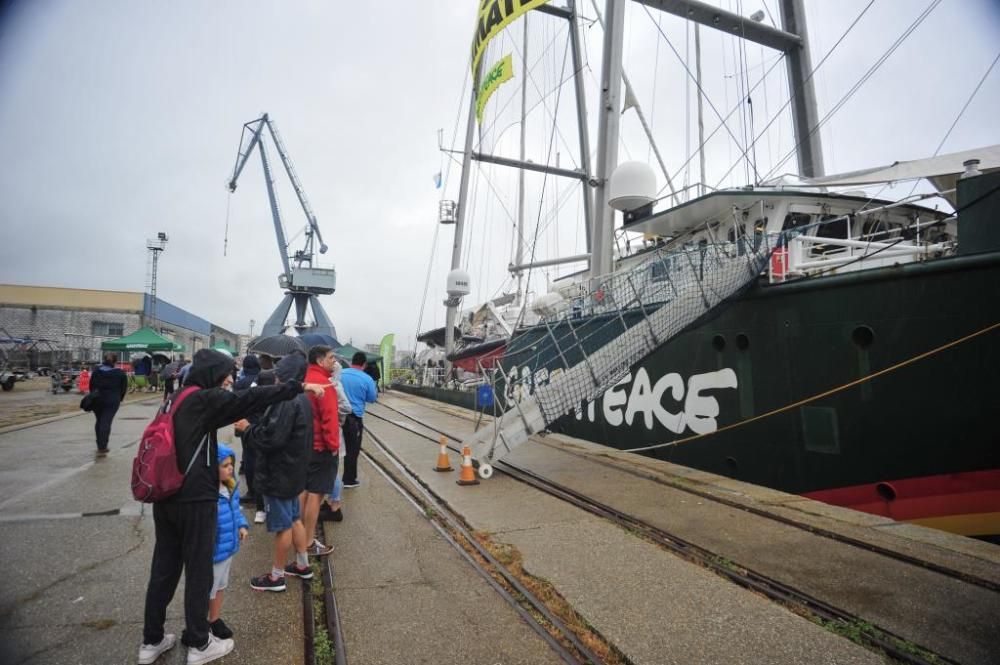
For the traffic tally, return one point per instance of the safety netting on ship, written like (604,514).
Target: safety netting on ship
(589,341)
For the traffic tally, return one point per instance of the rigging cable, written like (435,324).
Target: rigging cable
(225,237)
(687,104)
(437,225)
(656,70)
(959,116)
(738,68)
(715,131)
(864,79)
(700,88)
(545,180)
(542,96)
(967,102)
(722,121)
(767,112)
(725,91)
(746,86)
(811,74)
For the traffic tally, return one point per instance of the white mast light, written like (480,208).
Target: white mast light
(633,185)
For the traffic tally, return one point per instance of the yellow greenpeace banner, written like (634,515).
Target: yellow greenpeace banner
(498,74)
(494,16)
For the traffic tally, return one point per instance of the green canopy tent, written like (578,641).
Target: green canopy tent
(346,352)
(142,340)
(222,346)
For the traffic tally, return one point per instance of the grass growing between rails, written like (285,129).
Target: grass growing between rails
(322,641)
(861,632)
(510,557)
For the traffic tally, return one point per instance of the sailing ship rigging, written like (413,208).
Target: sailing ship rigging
(777,331)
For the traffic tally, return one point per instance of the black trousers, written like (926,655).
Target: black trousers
(104,413)
(353,429)
(250,471)
(185,539)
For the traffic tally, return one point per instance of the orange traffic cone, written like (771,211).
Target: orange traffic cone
(444,464)
(468,475)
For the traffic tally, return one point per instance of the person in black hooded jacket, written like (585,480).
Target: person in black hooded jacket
(185,523)
(283,439)
(248,462)
(110,384)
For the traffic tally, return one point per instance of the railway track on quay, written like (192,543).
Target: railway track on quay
(860,630)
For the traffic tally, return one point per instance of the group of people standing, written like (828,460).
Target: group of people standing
(296,416)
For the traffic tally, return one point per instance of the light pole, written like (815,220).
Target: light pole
(252,322)
(154,247)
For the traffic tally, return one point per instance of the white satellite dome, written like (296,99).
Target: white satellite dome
(459,284)
(633,185)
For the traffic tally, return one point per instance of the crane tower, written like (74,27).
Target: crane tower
(301,281)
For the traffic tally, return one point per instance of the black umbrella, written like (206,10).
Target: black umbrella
(277,346)
(316,339)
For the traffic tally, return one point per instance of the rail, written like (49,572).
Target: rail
(872,637)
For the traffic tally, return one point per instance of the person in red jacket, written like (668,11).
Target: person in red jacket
(323,458)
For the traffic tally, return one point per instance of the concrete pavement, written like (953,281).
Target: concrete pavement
(75,585)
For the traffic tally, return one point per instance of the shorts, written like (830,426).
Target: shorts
(220,576)
(281,513)
(321,471)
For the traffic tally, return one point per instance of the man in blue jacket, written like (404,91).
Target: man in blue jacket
(361,390)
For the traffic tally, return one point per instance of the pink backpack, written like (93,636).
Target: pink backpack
(155,475)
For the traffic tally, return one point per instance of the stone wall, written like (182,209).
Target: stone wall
(71,330)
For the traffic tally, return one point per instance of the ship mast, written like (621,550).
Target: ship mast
(609,122)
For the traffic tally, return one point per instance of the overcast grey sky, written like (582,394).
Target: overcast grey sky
(121,119)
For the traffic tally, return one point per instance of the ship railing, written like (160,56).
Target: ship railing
(807,254)
(429,376)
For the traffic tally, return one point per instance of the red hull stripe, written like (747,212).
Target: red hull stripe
(913,499)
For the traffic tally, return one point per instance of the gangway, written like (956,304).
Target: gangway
(643,307)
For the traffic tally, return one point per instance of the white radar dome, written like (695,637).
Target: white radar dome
(458,283)
(633,185)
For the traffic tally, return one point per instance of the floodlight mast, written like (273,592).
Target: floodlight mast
(302,281)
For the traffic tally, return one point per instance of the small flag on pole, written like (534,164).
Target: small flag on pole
(437,180)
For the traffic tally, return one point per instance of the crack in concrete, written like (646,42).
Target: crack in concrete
(385,585)
(6,612)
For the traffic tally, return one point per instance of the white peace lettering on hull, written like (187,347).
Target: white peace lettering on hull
(699,412)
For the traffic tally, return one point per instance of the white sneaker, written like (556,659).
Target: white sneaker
(148,653)
(260,517)
(216,649)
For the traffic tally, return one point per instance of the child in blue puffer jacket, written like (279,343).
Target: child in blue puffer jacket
(231,530)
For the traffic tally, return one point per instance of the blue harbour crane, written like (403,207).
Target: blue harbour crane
(302,282)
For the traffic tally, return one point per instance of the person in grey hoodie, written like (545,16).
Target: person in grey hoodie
(282,439)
